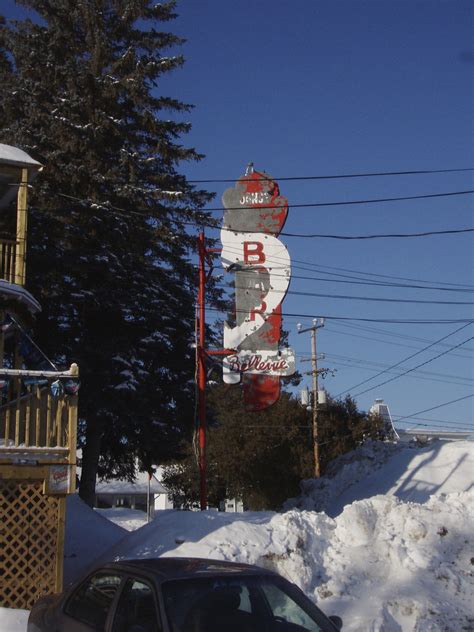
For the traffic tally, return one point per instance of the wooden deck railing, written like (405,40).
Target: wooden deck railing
(33,419)
(8,252)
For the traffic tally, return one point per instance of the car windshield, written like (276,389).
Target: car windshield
(240,604)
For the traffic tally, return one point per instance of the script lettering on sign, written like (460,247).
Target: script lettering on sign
(254,216)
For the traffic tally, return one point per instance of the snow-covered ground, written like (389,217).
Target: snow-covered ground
(392,551)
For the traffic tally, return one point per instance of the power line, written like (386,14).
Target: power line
(343,203)
(401,321)
(389,342)
(393,366)
(414,368)
(443,424)
(441,421)
(346,237)
(370,366)
(370,283)
(427,410)
(363,366)
(108,206)
(373,274)
(363,298)
(437,427)
(147,213)
(340,176)
(384,332)
(308,266)
(380,236)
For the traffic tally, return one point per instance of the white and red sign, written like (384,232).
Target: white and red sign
(254,216)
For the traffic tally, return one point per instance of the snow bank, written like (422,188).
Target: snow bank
(88,535)
(128,519)
(382,564)
(13,620)
(409,472)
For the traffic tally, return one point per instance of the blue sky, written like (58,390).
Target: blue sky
(323,87)
(309,88)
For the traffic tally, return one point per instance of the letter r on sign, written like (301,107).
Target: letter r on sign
(260,310)
(253,249)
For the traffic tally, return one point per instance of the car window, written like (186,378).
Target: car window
(239,604)
(286,610)
(91,602)
(207,605)
(136,610)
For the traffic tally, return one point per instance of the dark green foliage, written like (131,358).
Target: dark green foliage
(259,457)
(262,457)
(109,245)
(342,427)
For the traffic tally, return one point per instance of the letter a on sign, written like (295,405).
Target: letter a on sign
(255,215)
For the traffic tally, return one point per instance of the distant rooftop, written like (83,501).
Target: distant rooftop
(448,435)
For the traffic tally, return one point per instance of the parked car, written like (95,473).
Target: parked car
(180,595)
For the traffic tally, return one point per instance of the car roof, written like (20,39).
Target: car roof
(169,568)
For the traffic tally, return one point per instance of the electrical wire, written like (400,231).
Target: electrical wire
(201,224)
(369,283)
(415,367)
(344,237)
(317,266)
(310,267)
(442,421)
(427,410)
(413,355)
(343,202)
(147,213)
(361,298)
(380,235)
(340,176)
(390,342)
(369,365)
(384,332)
(401,321)
(362,366)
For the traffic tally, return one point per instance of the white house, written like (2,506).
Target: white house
(145,493)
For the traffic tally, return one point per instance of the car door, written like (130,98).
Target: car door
(88,608)
(136,608)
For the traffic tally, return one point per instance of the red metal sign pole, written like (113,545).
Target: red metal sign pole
(201,358)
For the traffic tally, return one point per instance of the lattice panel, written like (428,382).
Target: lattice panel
(29,535)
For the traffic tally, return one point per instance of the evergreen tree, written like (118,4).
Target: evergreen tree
(258,457)
(109,244)
(342,427)
(262,457)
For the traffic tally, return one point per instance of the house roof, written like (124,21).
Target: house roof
(139,486)
(17,157)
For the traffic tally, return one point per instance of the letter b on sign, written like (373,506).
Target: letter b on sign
(253,252)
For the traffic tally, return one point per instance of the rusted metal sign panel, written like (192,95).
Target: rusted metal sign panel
(254,216)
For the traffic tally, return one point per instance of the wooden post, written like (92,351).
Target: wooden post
(7,426)
(17,390)
(27,416)
(2,339)
(60,543)
(72,430)
(21,228)
(49,403)
(37,401)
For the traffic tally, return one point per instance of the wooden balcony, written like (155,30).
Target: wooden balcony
(8,254)
(35,426)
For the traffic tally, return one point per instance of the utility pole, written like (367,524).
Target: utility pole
(317,323)
(201,370)
(202,354)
